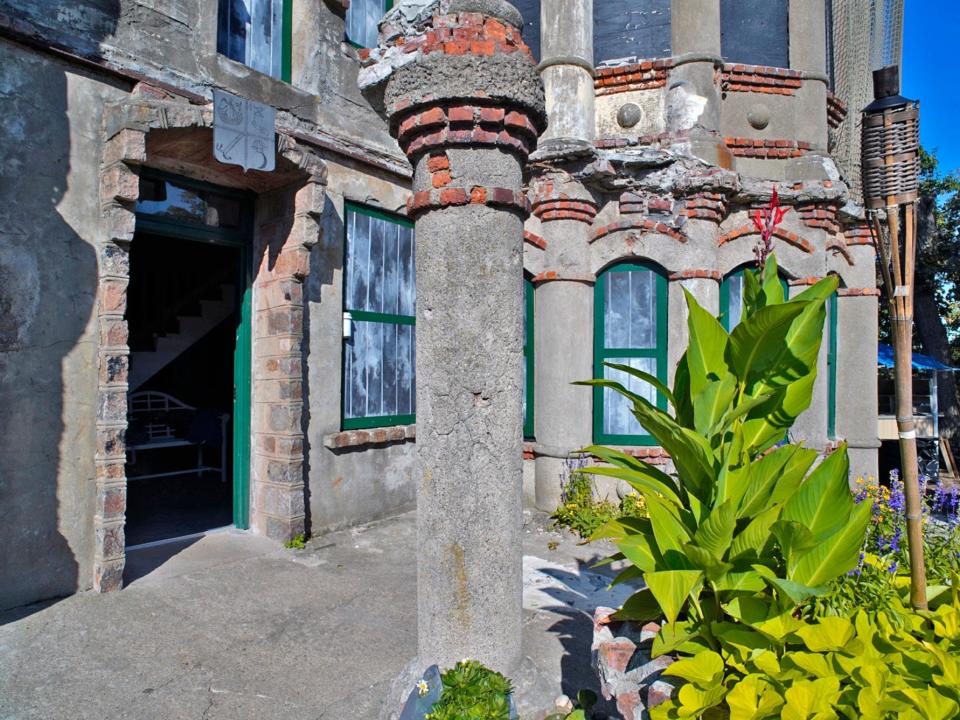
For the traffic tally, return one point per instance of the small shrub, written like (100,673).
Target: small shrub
(298,542)
(473,692)
(583,514)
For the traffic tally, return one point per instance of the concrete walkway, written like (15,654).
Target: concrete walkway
(231,626)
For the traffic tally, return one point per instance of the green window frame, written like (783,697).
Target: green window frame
(729,285)
(356,27)
(528,358)
(379,301)
(238,21)
(623,352)
(832,311)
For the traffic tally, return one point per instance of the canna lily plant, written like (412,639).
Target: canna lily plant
(747,524)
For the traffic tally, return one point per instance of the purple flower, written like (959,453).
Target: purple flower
(893,567)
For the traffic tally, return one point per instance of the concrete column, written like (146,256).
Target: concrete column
(564,333)
(693,91)
(566,37)
(467,113)
(808,54)
(857,380)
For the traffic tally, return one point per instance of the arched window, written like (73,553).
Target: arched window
(755,32)
(731,298)
(630,328)
(631,28)
(528,355)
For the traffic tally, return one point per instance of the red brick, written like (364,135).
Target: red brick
(461,113)
(492,114)
(438,162)
(478,195)
(453,196)
(433,116)
(441,178)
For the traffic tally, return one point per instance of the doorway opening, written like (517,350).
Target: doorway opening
(189,336)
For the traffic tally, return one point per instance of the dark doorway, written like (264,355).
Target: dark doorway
(184,311)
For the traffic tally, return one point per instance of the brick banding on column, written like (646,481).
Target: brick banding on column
(458,124)
(696,275)
(459,196)
(560,207)
(858,292)
(820,216)
(767,149)
(635,204)
(746,230)
(836,110)
(646,224)
(533,239)
(646,75)
(858,235)
(706,206)
(760,79)
(664,138)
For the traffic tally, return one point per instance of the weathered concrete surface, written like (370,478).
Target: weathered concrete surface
(49,183)
(232,627)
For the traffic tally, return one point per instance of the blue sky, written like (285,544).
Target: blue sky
(931,74)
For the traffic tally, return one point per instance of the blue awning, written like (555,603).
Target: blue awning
(920,362)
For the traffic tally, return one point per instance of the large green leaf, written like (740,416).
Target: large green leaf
(620,528)
(646,377)
(751,541)
(757,344)
(670,532)
(640,607)
(716,532)
(828,634)
(713,402)
(671,588)
(707,346)
(705,669)
(753,698)
(823,503)
(795,539)
(779,473)
(641,550)
(836,554)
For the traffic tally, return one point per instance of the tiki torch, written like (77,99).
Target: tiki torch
(891,169)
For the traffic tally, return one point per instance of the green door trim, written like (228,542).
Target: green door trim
(832,310)
(243,348)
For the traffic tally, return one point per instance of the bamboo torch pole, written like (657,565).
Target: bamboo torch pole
(890,174)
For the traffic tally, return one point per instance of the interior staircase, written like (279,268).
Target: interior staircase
(146,362)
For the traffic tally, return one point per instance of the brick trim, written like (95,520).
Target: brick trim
(124,152)
(664,138)
(822,216)
(858,292)
(560,207)
(804,281)
(767,149)
(374,436)
(858,235)
(840,248)
(555,276)
(695,275)
(453,123)
(646,224)
(706,206)
(746,230)
(836,110)
(535,240)
(426,200)
(645,75)
(760,79)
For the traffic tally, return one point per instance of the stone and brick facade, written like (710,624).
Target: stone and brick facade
(658,162)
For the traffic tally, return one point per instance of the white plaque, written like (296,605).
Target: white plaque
(243,132)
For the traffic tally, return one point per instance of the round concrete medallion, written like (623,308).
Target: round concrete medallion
(629,115)
(759,116)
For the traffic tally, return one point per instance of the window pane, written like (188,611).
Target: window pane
(163,198)
(755,32)
(251,32)
(630,310)
(379,365)
(363,16)
(735,300)
(617,416)
(631,28)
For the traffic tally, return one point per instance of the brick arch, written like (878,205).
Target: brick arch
(622,247)
(168,134)
(749,229)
